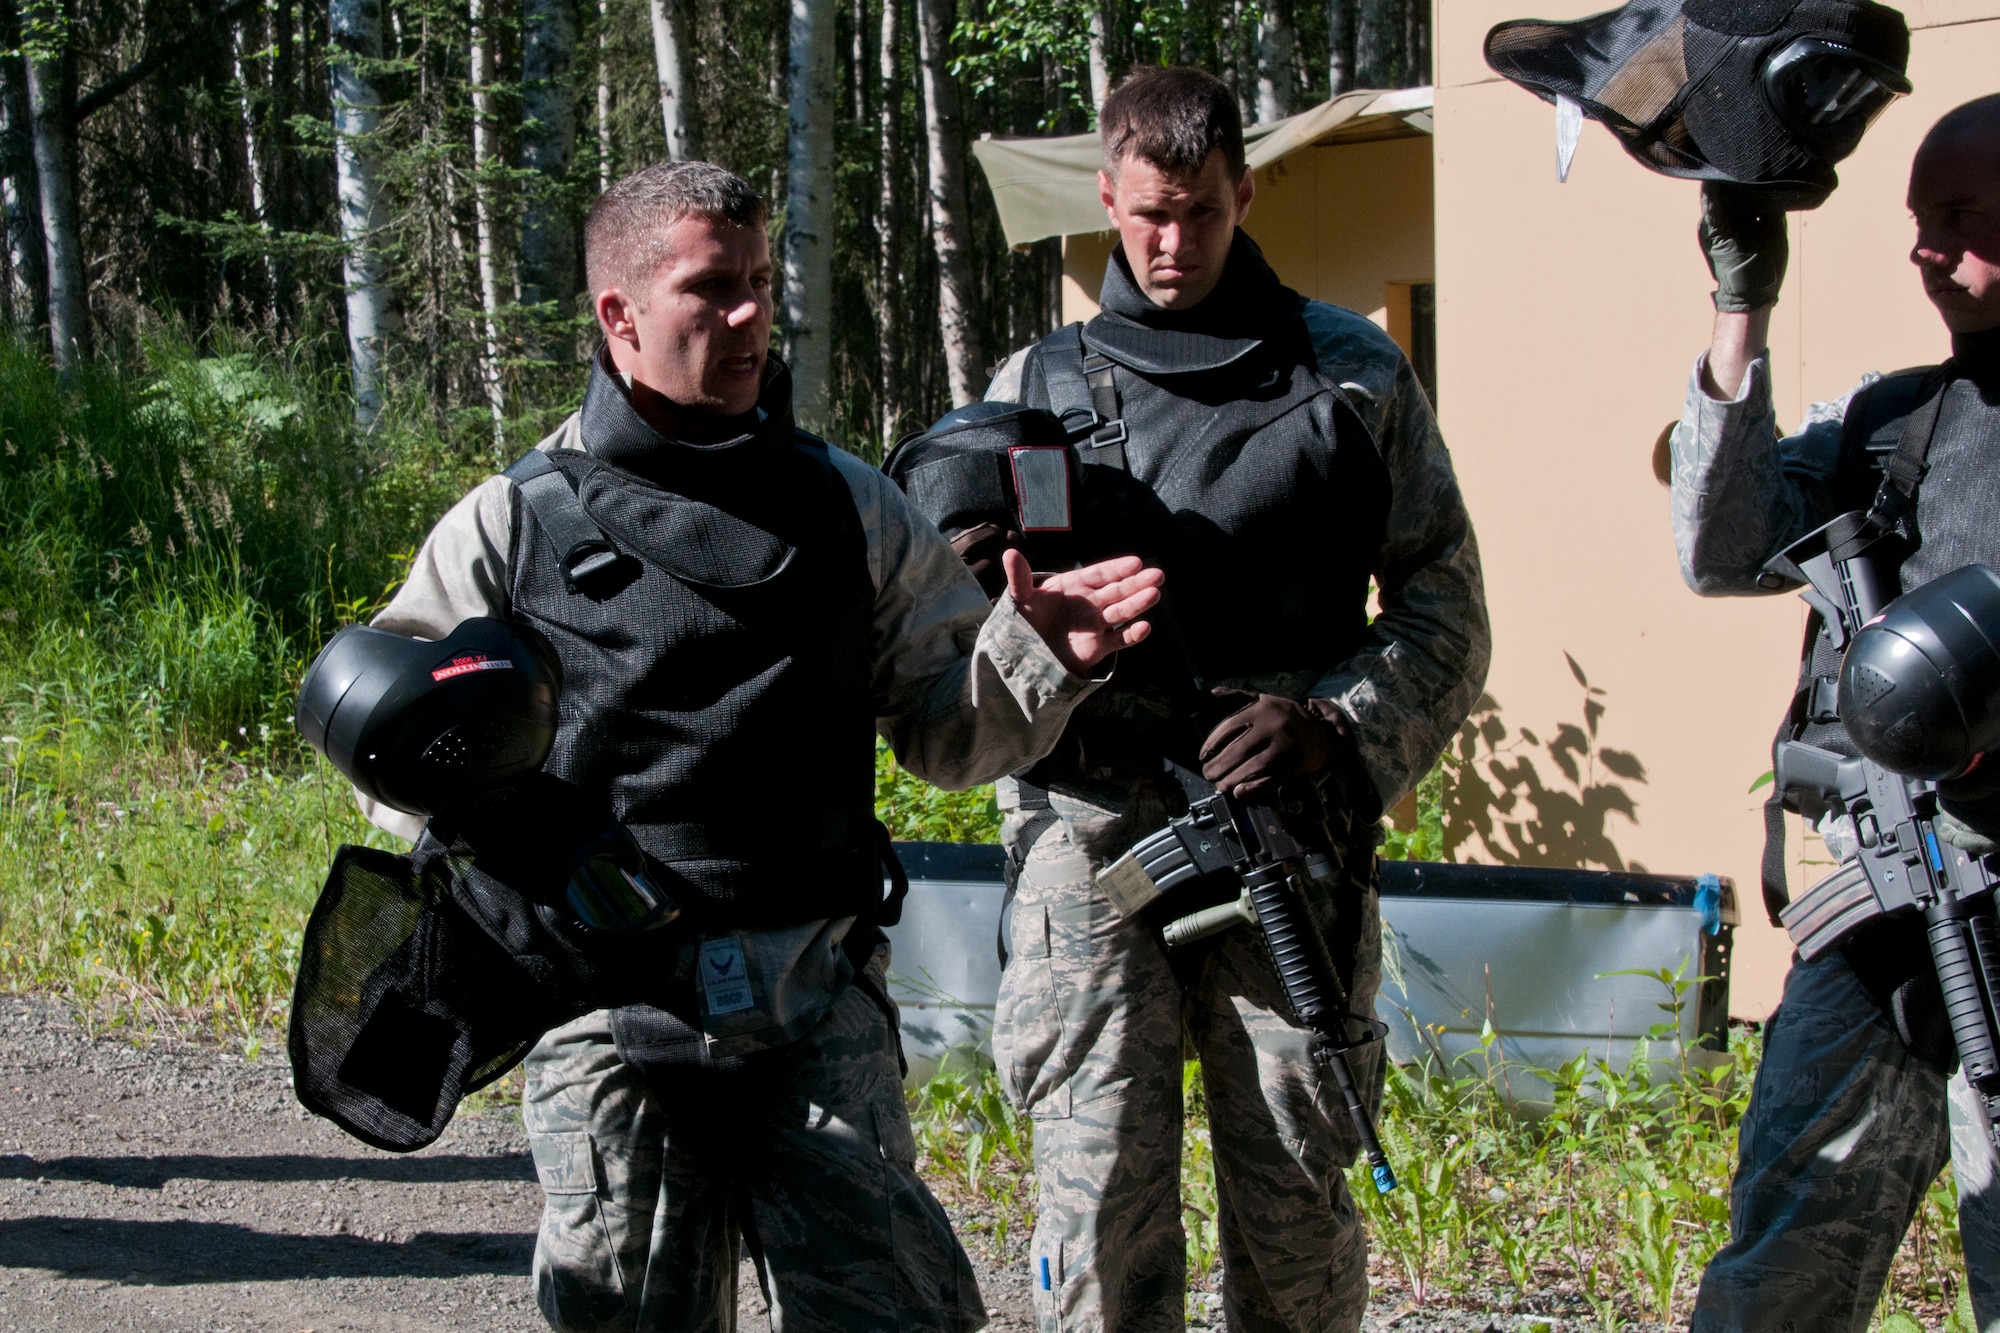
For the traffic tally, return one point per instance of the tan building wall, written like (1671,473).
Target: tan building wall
(1626,718)
(1340,223)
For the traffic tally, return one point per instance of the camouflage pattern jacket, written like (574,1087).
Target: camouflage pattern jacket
(1741,492)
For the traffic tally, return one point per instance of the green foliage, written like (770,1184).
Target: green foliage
(154,890)
(915,811)
(969,1135)
(178,532)
(1424,839)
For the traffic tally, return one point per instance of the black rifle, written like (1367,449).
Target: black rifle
(1219,833)
(1902,866)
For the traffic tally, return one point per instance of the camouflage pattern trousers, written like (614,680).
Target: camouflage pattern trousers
(1091,1035)
(805,1155)
(1845,1132)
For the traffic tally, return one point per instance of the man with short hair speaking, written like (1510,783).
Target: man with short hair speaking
(1847,1123)
(772,606)
(1278,456)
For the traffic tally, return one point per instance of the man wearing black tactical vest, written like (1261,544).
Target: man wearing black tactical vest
(1851,1116)
(740,609)
(1273,455)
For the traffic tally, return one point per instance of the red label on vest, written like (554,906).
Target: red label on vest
(459,666)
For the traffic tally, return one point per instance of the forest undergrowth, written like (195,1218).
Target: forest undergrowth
(180,530)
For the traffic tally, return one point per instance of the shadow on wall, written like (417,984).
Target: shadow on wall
(1498,806)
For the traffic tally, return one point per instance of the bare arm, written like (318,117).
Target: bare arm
(1740,337)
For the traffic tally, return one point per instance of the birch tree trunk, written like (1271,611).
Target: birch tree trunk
(356,29)
(603,95)
(888,234)
(254,162)
(809,211)
(1274,64)
(51,107)
(482,210)
(1339,46)
(21,195)
(671,38)
(549,272)
(965,358)
(1100,72)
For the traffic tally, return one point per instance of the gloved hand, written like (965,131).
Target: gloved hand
(980,547)
(1744,237)
(1969,809)
(1266,742)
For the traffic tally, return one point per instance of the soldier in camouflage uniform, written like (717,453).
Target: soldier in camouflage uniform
(762,636)
(1851,1116)
(1298,432)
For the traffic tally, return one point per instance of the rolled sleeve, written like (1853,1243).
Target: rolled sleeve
(1740,492)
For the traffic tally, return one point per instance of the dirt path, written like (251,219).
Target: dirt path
(177,1189)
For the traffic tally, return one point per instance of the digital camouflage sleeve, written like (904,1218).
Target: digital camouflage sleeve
(1741,493)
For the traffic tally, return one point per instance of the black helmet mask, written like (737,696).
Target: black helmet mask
(1767,93)
(426,975)
(428,726)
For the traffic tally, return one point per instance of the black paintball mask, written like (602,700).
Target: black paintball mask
(1767,93)
(427,975)
(996,475)
(1920,685)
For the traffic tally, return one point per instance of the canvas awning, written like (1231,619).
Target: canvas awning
(1048,187)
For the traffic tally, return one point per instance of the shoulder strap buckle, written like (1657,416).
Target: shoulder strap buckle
(586,556)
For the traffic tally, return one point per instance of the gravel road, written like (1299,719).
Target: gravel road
(174,1188)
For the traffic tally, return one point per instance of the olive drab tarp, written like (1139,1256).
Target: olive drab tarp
(1048,186)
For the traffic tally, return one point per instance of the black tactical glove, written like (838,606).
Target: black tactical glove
(1969,810)
(1743,234)
(1270,740)
(980,547)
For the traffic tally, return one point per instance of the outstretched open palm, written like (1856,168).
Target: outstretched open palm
(1087,614)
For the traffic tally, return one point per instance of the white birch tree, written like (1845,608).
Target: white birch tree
(486,241)
(672,35)
(1100,69)
(356,29)
(808,235)
(21,196)
(888,232)
(1274,63)
(51,108)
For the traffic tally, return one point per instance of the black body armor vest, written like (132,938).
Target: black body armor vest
(1242,472)
(716,670)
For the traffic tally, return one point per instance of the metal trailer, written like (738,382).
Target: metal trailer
(1526,950)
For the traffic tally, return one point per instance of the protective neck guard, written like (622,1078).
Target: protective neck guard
(614,432)
(1223,328)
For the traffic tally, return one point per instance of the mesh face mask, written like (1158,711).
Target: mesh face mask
(1770,93)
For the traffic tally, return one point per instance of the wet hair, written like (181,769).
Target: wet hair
(1977,121)
(1173,117)
(625,237)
